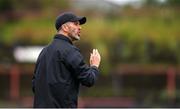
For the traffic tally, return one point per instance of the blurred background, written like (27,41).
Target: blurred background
(139,41)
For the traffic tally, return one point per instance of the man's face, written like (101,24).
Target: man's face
(74,30)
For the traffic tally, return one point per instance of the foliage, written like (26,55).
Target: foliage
(147,35)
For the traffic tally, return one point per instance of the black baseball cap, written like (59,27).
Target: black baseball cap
(68,17)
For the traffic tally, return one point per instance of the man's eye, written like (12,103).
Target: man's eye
(76,23)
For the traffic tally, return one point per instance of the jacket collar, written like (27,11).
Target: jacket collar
(62,37)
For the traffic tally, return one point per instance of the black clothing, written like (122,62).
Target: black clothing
(59,70)
(68,17)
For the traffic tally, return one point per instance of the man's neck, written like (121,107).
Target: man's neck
(64,34)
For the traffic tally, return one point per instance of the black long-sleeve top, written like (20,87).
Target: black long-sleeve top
(59,70)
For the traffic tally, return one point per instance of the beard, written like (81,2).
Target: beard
(76,37)
(73,34)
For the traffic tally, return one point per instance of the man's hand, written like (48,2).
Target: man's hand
(95,58)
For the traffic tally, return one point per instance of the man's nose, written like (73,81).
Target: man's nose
(79,27)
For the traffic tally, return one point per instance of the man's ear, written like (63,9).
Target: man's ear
(65,27)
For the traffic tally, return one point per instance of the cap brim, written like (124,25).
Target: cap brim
(82,20)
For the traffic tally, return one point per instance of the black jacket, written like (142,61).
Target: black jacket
(59,70)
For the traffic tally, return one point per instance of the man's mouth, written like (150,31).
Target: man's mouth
(79,33)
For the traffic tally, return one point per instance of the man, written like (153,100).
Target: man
(60,67)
